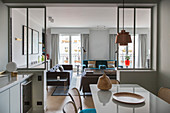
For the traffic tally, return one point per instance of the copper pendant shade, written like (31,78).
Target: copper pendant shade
(123,38)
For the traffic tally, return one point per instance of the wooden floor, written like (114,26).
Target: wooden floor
(55,103)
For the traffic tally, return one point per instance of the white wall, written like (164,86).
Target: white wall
(164,44)
(3,36)
(99,45)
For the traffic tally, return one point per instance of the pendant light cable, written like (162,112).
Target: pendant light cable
(123,14)
(123,38)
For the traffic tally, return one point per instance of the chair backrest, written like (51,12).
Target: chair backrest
(164,93)
(75,97)
(114,81)
(70,107)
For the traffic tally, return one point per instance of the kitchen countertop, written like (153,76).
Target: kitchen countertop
(6,81)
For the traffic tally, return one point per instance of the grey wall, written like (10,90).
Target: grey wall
(164,44)
(146,79)
(3,36)
(48,42)
(99,45)
(155,39)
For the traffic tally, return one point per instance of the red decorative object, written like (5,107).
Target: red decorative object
(48,56)
(127,62)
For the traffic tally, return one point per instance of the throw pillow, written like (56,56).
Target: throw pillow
(111,66)
(92,62)
(91,65)
(110,62)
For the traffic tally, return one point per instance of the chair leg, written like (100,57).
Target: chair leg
(84,95)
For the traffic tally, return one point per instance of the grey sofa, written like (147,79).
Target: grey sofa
(88,79)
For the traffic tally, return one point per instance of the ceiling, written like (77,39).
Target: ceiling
(82,16)
(91,17)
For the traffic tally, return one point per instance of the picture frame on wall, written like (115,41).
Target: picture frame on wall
(30,41)
(24,41)
(33,41)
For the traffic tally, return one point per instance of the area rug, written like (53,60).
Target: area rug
(63,90)
(60,91)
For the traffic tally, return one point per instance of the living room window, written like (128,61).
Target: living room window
(70,49)
(137,21)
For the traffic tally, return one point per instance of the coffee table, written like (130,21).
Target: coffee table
(59,82)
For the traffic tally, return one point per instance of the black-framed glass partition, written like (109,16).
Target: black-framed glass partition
(27,37)
(137,21)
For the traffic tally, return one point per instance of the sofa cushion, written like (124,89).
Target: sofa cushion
(91,62)
(110,72)
(110,62)
(111,66)
(91,65)
(86,80)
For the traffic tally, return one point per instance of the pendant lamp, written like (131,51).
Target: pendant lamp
(123,38)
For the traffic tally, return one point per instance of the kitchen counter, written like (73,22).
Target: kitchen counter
(6,81)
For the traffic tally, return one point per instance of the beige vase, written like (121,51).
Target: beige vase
(104,82)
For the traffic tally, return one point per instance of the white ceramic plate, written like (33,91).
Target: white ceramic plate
(11,66)
(128,98)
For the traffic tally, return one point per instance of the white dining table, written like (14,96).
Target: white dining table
(104,102)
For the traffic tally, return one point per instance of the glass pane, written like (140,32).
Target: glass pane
(75,50)
(143,38)
(19,36)
(125,51)
(64,48)
(35,38)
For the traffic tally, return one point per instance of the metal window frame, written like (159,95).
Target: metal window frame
(151,37)
(27,22)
